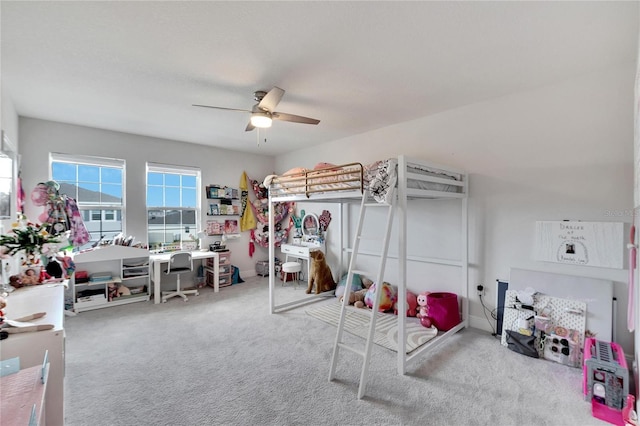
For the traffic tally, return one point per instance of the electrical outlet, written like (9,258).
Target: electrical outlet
(480,289)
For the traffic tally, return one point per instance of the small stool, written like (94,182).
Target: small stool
(293,268)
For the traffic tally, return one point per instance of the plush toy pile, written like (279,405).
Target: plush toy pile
(363,292)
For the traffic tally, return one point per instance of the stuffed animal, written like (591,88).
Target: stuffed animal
(387,298)
(423,313)
(421,299)
(356,298)
(16,281)
(30,277)
(412,305)
(123,290)
(320,272)
(112,291)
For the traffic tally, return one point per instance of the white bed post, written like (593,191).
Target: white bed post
(465,253)
(272,254)
(402,264)
(340,240)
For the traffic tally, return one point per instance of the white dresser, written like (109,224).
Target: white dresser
(31,346)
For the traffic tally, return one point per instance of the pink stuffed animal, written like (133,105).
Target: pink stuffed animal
(422,304)
(423,312)
(412,305)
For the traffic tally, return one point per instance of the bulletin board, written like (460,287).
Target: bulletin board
(597,244)
(567,313)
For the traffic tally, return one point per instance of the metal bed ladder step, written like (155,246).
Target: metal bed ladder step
(339,343)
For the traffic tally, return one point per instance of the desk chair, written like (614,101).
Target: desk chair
(179,263)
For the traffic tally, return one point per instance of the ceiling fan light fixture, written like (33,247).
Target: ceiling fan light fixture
(261,120)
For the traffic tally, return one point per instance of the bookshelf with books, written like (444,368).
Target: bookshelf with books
(222,201)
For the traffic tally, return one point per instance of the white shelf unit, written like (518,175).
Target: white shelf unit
(223,211)
(127,266)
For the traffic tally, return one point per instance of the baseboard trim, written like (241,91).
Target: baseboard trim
(480,323)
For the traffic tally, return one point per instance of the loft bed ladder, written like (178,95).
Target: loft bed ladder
(339,343)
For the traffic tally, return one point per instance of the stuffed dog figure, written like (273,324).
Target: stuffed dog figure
(320,273)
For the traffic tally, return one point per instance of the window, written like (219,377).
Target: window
(97,184)
(172,205)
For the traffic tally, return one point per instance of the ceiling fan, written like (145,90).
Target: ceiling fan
(263,112)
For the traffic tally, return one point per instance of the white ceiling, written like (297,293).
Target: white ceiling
(138,66)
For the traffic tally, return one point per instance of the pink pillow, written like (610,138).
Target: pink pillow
(323,166)
(295,171)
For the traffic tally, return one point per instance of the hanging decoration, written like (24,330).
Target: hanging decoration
(260,207)
(61,213)
(325,220)
(247,220)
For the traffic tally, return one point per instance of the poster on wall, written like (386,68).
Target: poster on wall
(597,244)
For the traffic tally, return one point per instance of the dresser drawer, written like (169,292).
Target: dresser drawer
(224,280)
(225,258)
(295,250)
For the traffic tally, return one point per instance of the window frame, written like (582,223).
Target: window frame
(152,167)
(96,161)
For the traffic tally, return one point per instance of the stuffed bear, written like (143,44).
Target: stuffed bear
(112,291)
(16,281)
(356,298)
(123,290)
(320,272)
(30,277)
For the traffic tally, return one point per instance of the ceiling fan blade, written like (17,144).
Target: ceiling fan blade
(215,107)
(250,127)
(283,116)
(271,99)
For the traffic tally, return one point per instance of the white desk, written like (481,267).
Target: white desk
(31,346)
(156,261)
(300,251)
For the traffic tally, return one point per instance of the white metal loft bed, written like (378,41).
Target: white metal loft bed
(416,179)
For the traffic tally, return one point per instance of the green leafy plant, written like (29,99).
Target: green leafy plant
(30,237)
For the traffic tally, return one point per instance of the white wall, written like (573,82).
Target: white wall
(559,152)
(218,166)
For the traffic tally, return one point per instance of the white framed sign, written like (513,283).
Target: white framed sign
(597,244)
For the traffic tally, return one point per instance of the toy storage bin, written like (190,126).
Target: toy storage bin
(443,310)
(223,280)
(262,268)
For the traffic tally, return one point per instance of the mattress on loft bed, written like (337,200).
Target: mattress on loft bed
(383,175)
(324,178)
(378,177)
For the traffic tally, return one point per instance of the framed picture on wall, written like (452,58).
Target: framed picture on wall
(231,226)
(214,227)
